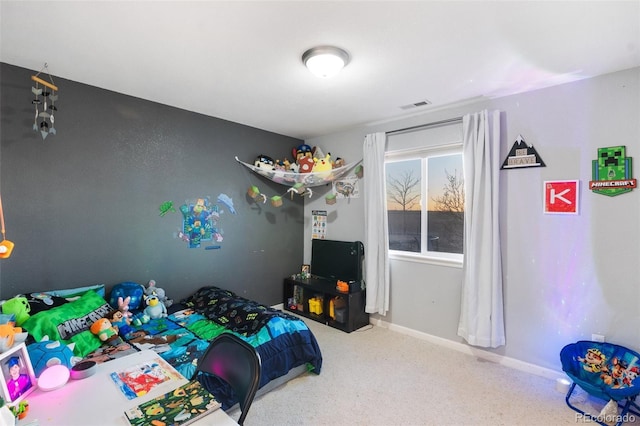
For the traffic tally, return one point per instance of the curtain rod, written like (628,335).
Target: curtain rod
(424,126)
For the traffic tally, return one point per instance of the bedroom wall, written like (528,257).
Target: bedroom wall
(565,277)
(82,207)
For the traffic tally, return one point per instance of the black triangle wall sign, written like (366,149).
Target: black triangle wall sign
(522,155)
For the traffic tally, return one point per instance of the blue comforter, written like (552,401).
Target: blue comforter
(283,341)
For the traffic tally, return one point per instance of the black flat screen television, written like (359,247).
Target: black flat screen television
(337,260)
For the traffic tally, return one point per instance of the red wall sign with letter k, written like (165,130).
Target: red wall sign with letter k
(561,197)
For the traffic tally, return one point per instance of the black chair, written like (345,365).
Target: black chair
(233,360)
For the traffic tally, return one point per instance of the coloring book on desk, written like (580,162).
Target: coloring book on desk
(180,407)
(139,379)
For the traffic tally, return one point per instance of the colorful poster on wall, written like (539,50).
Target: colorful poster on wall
(346,187)
(561,197)
(200,220)
(197,222)
(318,224)
(612,172)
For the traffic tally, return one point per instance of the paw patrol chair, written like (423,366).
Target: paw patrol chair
(606,371)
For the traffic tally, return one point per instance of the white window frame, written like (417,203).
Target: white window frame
(426,256)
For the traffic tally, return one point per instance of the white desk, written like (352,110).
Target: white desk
(97,401)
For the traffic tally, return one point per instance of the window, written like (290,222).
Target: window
(425,202)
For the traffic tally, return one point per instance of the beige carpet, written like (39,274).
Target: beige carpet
(381,377)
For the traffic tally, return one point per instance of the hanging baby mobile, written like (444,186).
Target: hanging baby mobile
(46,95)
(310,168)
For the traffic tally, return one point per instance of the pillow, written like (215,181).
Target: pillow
(39,302)
(74,293)
(206,296)
(70,322)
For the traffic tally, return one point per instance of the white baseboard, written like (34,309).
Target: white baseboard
(464,348)
(473,351)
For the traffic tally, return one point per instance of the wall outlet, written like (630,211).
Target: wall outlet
(597,338)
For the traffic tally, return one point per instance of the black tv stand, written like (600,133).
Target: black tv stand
(321,301)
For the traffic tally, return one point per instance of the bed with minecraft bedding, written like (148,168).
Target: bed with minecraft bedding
(286,345)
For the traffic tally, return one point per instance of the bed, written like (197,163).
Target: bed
(286,345)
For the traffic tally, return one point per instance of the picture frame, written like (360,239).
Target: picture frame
(305,269)
(17,378)
(561,197)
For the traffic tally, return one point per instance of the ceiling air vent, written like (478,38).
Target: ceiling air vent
(416,105)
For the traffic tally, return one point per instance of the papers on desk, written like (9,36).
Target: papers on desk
(139,379)
(180,407)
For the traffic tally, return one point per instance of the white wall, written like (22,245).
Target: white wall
(565,277)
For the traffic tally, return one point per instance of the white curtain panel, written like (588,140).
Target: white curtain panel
(376,237)
(481,315)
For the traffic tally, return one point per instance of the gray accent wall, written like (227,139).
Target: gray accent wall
(565,277)
(82,207)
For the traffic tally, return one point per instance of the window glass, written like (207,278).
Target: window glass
(425,202)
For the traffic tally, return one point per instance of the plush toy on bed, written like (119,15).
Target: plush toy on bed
(155,308)
(18,306)
(121,322)
(133,291)
(106,332)
(10,335)
(153,289)
(46,353)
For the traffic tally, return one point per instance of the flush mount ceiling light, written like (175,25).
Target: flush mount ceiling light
(325,61)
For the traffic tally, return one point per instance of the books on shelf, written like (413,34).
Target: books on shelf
(180,407)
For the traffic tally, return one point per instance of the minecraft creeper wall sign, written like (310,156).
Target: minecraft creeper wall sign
(612,172)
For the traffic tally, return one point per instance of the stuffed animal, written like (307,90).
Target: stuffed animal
(123,307)
(134,291)
(153,289)
(121,322)
(10,335)
(18,306)
(140,318)
(302,151)
(106,332)
(323,165)
(306,165)
(46,353)
(155,308)
(264,162)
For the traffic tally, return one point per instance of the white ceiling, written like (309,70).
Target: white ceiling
(241,61)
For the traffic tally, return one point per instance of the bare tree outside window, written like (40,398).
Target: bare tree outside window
(402,192)
(403,203)
(450,208)
(425,204)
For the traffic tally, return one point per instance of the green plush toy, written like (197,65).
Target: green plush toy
(18,306)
